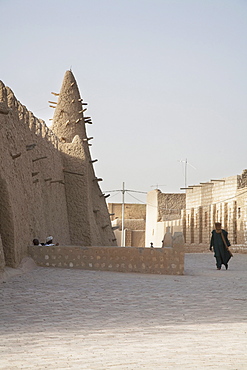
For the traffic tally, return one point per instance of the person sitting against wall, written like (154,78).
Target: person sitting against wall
(49,241)
(220,244)
(36,242)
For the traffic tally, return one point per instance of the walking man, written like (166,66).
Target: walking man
(220,244)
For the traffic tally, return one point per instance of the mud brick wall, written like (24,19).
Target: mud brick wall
(170,206)
(169,260)
(48,185)
(131,211)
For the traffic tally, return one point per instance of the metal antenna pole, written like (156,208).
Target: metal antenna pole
(185,173)
(186,163)
(123,233)
(123,190)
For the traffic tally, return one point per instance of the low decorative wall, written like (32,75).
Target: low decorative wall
(168,260)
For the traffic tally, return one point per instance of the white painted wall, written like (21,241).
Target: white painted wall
(151,219)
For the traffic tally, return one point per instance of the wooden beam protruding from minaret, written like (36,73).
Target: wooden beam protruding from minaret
(30,146)
(14,156)
(38,159)
(88,138)
(83,110)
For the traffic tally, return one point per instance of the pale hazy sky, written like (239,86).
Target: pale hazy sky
(165,80)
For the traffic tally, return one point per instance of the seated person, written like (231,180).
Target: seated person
(36,242)
(49,241)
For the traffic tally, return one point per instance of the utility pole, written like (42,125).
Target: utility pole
(123,232)
(123,191)
(186,170)
(185,173)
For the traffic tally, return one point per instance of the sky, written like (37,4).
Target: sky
(165,82)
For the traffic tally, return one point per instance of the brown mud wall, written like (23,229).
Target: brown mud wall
(36,194)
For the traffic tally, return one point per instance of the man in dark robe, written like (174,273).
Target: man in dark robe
(220,243)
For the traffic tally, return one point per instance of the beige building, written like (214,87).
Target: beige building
(194,213)
(224,201)
(144,224)
(47,181)
(134,223)
(164,212)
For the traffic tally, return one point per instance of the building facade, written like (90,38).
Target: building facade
(134,223)
(47,181)
(223,200)
(164,212)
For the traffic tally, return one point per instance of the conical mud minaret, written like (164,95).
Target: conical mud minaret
(88,214)
(68,120)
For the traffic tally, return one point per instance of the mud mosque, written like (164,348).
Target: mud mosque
(47,180)
(48,186)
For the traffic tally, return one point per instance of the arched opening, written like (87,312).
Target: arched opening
(6,226)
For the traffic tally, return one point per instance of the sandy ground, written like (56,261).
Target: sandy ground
(74,319)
